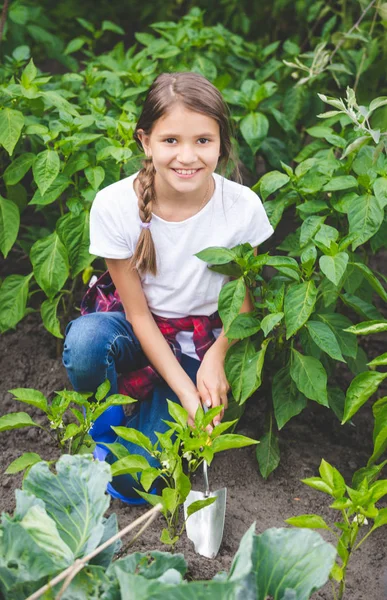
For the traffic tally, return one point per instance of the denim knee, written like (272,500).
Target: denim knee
(87,344)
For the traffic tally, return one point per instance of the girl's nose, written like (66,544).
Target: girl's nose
(186,155)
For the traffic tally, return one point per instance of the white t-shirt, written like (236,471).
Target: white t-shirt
(183,285)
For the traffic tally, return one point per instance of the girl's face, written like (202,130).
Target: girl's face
(185,148)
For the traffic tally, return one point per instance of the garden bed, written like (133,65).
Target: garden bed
(28,359)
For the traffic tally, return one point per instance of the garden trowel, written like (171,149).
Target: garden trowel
(205,527)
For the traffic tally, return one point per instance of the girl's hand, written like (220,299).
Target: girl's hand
(212,383)
(190,400)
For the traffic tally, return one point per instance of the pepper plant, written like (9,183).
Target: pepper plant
(180,451)
(71,437)
(302,305)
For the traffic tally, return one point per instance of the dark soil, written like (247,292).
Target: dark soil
(28,359)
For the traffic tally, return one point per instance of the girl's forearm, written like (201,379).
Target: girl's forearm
(160,355)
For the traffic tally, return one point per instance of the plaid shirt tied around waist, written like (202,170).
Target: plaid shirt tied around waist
(102,296)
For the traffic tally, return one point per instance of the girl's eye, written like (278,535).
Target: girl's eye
(169,139)
(205,140)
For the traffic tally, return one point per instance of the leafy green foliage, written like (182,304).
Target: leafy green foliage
(71,437)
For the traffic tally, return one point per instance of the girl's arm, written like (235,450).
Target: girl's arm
(153,343)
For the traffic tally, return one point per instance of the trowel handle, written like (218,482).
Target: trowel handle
(207,487)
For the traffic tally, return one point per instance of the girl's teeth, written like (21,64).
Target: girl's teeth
(185,172)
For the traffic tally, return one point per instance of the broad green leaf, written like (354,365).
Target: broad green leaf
(166,538)
(134,436)
(18,168)
(361,307)
(308,521)
(231,298)
(368,327)
(56,189)
(102,390)
(198,505)
(130,464)
(44,531)
(287,400)
(117,449)
(379,360)
(13,300)
(299,304)
(15,421)
(342,182)
(50,262)
(74,45)
(148,476)
(271,182)
(72,498)
(309,228)
(23,462)
(333,478)
(318,484)
(243,326)
(31,397)
(334,267)
(336,399)
(95,176)
(9,225)
(323,336)
(45,169)
(365,218)
(109,26)
(310,377)
(243,366)
(381,519)
(380,190)
(267,453)
(254,129)
(48,311)
(231,440)
(338,323)
(360,389)
(112,400)
(270,321)
(73,230)
(11,125)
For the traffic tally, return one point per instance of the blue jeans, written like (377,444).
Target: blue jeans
(99,346)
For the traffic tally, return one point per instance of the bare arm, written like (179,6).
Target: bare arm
(153,343)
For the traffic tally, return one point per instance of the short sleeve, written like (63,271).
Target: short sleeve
(258,227)
(107,238)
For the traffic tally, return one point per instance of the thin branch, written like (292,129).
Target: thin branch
(355,26)
(70,572)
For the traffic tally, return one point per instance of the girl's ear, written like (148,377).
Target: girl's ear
(144,139)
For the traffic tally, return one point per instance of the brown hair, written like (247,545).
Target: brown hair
(196,93)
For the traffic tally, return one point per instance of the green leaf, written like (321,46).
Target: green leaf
(310,377)
(9,225)
(270,321)
(254,129)
(231,440)
(243,326)
(148,476)
(361,307)
(271,182)
(367,327)
(380,190)
(334,267)
(50,262)
(343,182)
(56,189)
(13,300)
(134,436)
(299,304)
(379,360)
(95,176)
(23,462)
(178,413)
(102,390)
(31,397)
(231,298)
(109,26)
(11,125)
(318,484)
(360,389)
(48,311)
(198,505)
(15,421)
(134,463)
(287,400)
(365,217)
(73,230)
(267,453)
(338,323)
(323,336)
(308,521)
(45,169)
(167,539)
(243,366)
(371,278)
(309,228)
(72,498)
(18,168)
(74,45)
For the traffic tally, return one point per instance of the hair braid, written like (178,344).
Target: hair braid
(144,257)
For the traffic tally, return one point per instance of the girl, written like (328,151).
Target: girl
(157,324)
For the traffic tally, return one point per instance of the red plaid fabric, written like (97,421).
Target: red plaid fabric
(103,297)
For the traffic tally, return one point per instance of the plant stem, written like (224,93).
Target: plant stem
(355,26)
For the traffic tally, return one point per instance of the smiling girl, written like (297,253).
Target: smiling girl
(152,320)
